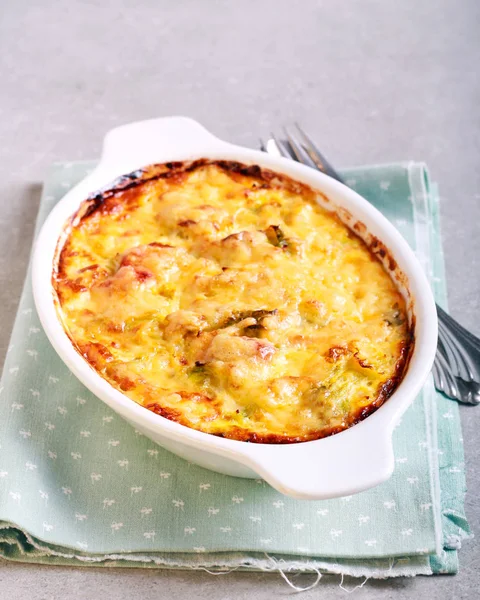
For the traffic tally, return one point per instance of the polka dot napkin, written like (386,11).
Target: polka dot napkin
(78,485)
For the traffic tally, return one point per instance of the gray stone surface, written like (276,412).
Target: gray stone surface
(373,81)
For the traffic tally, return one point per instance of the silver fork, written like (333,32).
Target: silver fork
(456,369)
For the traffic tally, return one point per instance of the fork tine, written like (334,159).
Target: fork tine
(281,147)
(270,147)
(317,157)
(299,152)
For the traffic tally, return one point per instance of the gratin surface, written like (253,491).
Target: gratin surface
(225,298)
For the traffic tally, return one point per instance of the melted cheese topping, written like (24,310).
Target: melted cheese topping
(227,299)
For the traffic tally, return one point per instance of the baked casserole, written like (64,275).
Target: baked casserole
(224,297)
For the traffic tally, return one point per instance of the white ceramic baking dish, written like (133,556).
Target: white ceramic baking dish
(349,462)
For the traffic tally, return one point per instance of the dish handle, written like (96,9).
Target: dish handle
(340,465)
(137,144)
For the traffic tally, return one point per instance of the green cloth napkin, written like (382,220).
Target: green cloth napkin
(80,486)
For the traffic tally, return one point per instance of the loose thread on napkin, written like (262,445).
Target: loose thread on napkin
(357,587)
(287,580)
(218,572)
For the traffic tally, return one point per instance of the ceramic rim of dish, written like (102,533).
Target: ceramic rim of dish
(348,462)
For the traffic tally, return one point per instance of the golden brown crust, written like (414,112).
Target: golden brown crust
(123,198)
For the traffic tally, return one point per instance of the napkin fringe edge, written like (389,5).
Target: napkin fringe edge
(269,564)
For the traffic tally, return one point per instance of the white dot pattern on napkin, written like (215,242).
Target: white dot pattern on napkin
(79,476)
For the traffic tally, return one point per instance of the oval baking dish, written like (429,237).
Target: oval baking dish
(348,462)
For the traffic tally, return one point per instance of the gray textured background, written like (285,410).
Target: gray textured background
(372,80)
